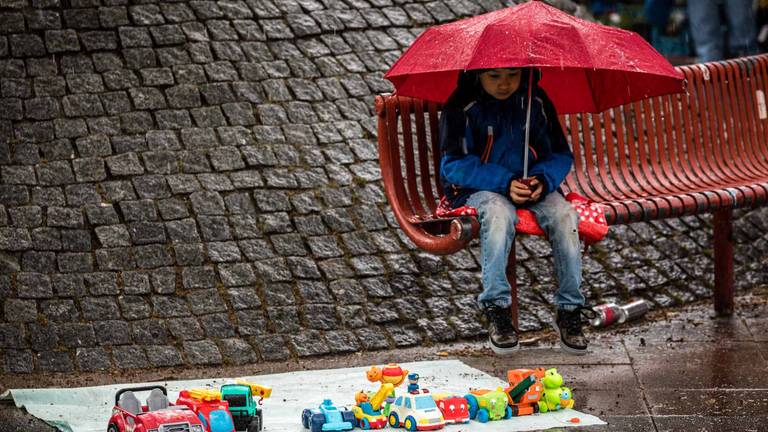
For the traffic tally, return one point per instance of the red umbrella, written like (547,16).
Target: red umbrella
(586,67)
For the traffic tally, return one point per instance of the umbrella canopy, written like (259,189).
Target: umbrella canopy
(586,67)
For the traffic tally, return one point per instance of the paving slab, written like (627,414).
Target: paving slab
(711,424)
(712,402)
(695,365)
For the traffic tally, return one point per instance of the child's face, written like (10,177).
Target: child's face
(500,83)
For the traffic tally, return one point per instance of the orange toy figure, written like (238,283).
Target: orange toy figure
(524,391)
(361,397)
(391,373)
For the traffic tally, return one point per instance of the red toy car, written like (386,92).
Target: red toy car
(454,408)
(158,414)
(210,409)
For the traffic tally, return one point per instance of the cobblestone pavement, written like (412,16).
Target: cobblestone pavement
(196,183)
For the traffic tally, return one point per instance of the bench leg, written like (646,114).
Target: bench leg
(723,233)
(512,278)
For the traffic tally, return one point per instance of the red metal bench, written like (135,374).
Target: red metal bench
(663,157)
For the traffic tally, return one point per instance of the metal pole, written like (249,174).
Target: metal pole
(723,243)
(527,123)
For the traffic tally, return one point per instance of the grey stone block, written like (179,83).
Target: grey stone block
(183,231)
(45,238)
(26,216)
(163,355)
(223,252)
(149,332)
(124,164)
(33,285)
(164,280)
(92,359)
(131,37)
(101,283)
(217,325)
(273,347)
(120,79)
(129,357)
(245,226)
(82,105)
(183,96)
(151,186)
(17,310)
(43,337)
(237,351)
(75,262)
(55,361)
(198,277)
(57,41)
(185,328)
(115,259)
(214,228)
(38,262)
(89,169)
(347,291)
(135,282)
(98,40)
(13,195)
(141,210)
(183,183)
(55,173)
(208,116)
(26,45)
(95,308)
(226,159)
(112,332)
(202,352)
(215,182)
(74,335)
(147,232)
(243,298)
(64,217)
(134,307)
(309,343)
(152,256)
(60,310)
(94,145)
(189,254)
(320,316)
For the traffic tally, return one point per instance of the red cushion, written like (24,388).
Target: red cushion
(592,224)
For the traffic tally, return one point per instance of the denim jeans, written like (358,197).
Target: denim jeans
(497,216)
(706,28)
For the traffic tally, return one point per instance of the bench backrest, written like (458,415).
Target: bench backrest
(713,136)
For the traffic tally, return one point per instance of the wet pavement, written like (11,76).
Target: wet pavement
(676,370)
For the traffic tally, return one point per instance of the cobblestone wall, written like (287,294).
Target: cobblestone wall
(197,183)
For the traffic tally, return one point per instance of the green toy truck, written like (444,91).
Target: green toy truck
(486,405)
(246,412)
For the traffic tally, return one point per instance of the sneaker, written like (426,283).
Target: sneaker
(568,325)
(502,334)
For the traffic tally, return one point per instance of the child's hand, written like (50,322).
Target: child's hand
(519,192)
(536,189)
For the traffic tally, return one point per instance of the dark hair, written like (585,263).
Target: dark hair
(468,87)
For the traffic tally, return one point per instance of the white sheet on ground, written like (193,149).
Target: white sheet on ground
(87,409)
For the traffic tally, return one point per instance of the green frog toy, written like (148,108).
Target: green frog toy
(554,396)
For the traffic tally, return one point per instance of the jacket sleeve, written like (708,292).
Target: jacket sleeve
(555,158)
(460,166)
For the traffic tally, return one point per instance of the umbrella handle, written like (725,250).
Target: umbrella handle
(527,124)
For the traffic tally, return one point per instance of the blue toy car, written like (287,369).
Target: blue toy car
(327,417)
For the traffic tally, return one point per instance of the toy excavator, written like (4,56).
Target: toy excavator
(524,391)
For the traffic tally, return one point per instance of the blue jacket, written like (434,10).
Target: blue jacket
(466,133)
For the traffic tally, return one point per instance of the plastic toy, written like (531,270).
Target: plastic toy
(209,408)
(416,411)
(554,396)
(393,374)
(367,410)
(487,405)
(246,412)
(327,417)
(413,382)
(129,414)
(524,391)
(454,408)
